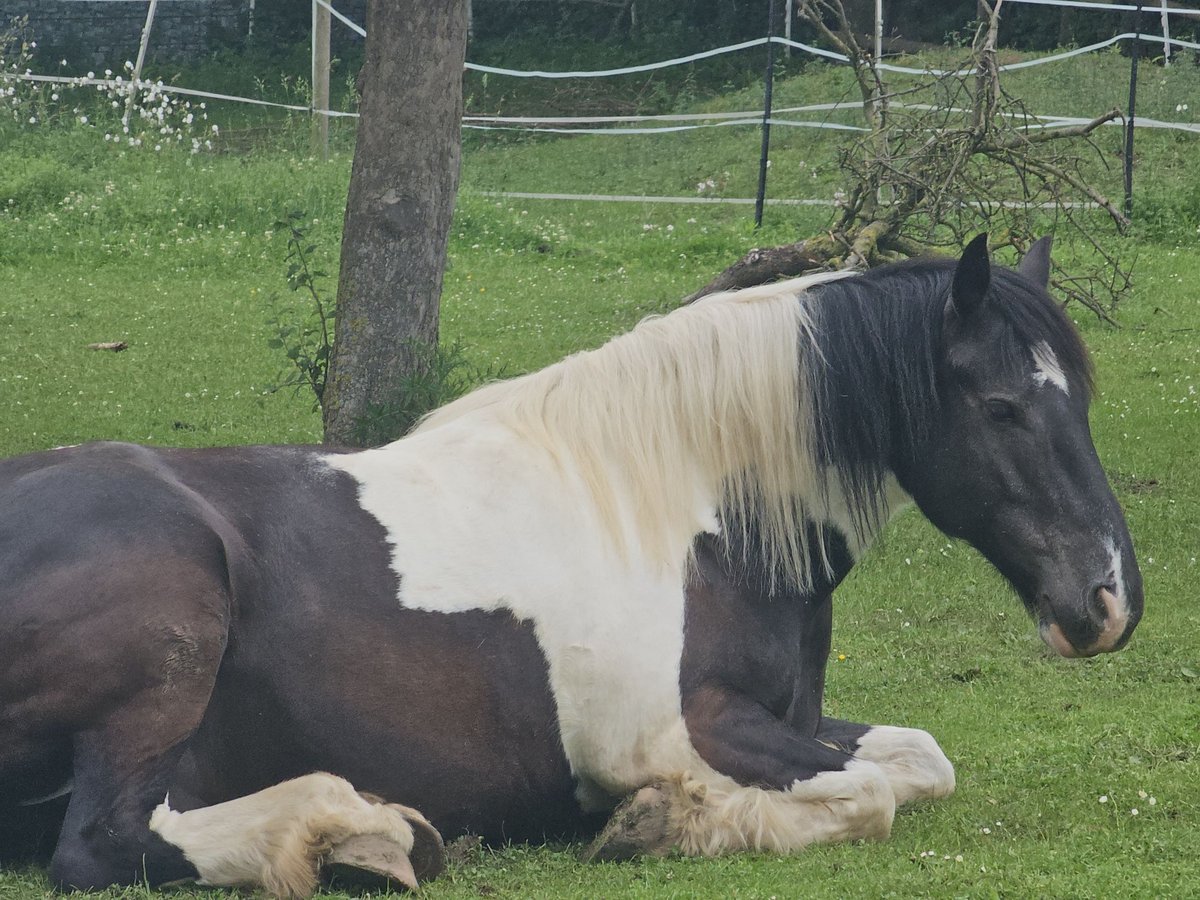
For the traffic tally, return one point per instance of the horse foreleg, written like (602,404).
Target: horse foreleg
(762,786)
(280,837)
(915,766)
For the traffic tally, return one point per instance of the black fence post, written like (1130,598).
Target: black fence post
(1129,120)
(760,199)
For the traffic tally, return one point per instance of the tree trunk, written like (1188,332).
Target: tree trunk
(402,190)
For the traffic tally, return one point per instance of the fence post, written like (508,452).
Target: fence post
(141,58)
(320,80)
(768,85)
(788,13)
(1129,120)
(1165,18)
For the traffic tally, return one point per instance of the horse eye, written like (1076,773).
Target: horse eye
(1000,410)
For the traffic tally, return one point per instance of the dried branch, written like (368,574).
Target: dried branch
(1023,139)
(954,159)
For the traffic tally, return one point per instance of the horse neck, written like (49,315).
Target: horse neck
(874,384)
(690,416)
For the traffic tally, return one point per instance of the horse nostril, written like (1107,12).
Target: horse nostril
(1100,606)
(1113,617)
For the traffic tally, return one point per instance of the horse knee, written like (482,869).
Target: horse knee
(911,759)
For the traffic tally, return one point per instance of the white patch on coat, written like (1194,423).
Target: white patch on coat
(914,764)
(479,520)
(273,839)
(1046,368)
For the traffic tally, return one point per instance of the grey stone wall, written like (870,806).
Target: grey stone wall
(107,33)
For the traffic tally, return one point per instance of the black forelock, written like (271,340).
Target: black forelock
(1034,317)
(874,380)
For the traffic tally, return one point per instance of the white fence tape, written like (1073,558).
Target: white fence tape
(625,70)
(353,26)
(1115,7)
(551,125)
(748,201)
(563,125)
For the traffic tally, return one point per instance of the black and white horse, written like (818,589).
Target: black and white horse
(608,579)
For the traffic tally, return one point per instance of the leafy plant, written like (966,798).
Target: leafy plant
(307,338)
(441,373)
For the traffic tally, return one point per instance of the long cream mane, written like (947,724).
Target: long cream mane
(705,405)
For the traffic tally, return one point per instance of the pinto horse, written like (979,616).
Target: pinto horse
(606,581)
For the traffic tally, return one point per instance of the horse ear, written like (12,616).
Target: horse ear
(1035,264)
(972,277)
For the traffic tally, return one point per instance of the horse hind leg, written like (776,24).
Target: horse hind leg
(134,679)
(280,838)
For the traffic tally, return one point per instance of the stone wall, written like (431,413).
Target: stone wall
(98,34)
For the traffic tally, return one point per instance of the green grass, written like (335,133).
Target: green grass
(179,256)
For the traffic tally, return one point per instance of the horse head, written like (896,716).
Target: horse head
(1010,465)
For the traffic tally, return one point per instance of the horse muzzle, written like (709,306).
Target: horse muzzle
(1102,626)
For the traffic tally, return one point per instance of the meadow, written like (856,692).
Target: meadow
(1075,778)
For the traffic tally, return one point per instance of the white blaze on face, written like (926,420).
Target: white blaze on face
(1046,368)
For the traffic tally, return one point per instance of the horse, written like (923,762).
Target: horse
(593,601)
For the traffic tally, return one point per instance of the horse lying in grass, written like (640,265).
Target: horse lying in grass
(609,579)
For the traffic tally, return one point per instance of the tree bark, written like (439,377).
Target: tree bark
(402,189)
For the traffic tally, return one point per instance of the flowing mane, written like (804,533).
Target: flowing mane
(705,407)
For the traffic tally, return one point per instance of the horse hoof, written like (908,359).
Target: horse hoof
(428,853)
(372,861)
(639,827)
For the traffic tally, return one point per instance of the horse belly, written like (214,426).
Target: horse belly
(450,714)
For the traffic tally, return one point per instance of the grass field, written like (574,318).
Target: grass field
(1075,779)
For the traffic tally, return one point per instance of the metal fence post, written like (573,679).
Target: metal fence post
(764,157)
(1129,121)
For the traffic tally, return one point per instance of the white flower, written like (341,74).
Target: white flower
(1133,812)
(83,120)
(1104,798)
